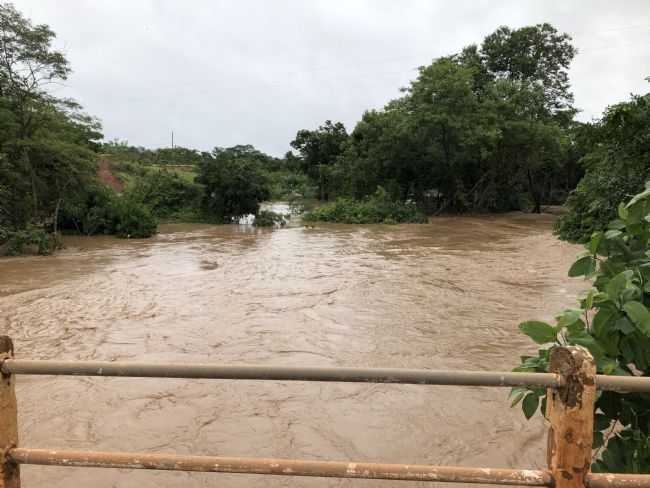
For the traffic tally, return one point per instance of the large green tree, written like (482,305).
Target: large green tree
(489,128)
(319,150)
(46,143)
(382,151)
(616,161)
(235,184)
(528,146)
(533,54)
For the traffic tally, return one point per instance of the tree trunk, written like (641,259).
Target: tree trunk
(32,176)
(320,182)
(537,203)
(56,215)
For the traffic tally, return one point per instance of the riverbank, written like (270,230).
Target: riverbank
(292,211)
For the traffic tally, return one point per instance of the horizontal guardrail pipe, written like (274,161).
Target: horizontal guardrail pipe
(299,373)
(283,373)
(283,467)
(618,480)
(630,384)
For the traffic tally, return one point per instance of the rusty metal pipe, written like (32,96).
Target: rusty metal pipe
(283,467)
(283,373)
(616,480)
(630,384)
(292,373)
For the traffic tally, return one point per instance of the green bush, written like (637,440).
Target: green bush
(613,323)
(167,194)
(91,213)
(616,166)
(594,202)
(31,240)
(377,209)
(101,211)
(132,219)
(285,185)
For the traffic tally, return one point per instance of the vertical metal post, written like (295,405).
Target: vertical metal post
(570,410)
(9,471)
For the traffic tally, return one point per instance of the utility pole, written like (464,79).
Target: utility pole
(172,139)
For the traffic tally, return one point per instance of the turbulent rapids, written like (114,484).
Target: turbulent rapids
(445,295)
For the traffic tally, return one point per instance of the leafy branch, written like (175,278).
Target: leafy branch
(617,261)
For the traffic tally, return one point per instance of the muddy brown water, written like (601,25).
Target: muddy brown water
(444,295)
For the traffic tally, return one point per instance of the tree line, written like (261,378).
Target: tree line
(491,128)
(487,129)
(49,152)
(47,144)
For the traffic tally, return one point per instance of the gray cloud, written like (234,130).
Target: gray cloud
(256,71)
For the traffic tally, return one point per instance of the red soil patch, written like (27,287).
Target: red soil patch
(105,175)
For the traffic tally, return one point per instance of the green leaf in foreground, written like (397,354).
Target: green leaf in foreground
(594,242)
(540,332)
(517,394)
(529,405)
(583,267)
(639,314)
(637,198)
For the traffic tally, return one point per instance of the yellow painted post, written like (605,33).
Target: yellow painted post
(9,471)
(570,410)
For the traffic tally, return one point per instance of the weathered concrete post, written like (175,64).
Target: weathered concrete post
(570,410)
(9,471)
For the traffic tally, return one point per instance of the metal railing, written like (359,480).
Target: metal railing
(571,392)
(302,373)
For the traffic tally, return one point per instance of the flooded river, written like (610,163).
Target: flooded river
(445,295)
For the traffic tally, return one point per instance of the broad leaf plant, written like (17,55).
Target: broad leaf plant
(613,323)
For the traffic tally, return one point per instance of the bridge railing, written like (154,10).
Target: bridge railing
(571,384)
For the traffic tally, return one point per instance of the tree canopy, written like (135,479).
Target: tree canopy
(616,159)
(319,150)
(234,184)
(488,128)
(46,143)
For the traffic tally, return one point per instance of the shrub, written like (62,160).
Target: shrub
(616,167)
(593,203)
(91,213)
(377,209)
(31,240)
(613,323)
(285,185)
(167,194)
(101,211)
(132,219)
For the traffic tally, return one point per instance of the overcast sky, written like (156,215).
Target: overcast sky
(220,73)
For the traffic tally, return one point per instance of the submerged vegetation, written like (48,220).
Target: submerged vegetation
(378,208)
(100,210)
(268,218)
(29,240)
